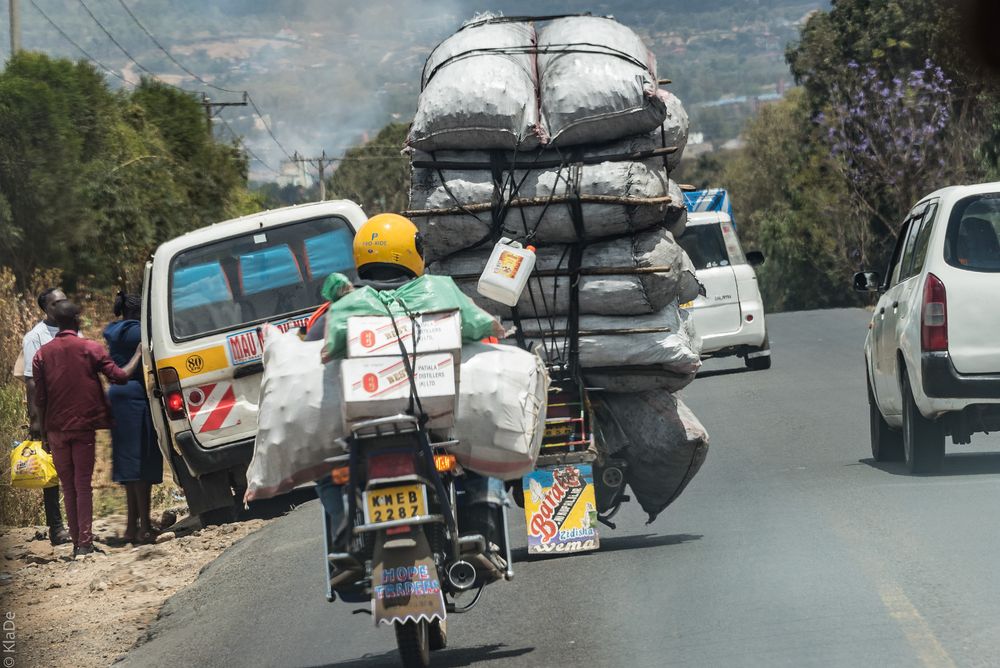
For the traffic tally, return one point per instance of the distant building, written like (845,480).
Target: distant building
(294,174)
(733,144)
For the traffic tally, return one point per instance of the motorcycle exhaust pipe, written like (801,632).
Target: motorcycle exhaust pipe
(461,575)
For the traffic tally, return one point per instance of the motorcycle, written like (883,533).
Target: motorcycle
(422,535)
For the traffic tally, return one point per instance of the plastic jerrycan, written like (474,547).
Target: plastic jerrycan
(507,272)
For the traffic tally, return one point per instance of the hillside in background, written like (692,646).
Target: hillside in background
(328,74)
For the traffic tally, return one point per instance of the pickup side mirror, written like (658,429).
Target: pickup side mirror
(867,281)
(755,258)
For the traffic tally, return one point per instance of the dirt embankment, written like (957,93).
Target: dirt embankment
(91,610)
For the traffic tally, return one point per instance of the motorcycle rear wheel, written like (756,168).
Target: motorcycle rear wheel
(413,641)
(438,635)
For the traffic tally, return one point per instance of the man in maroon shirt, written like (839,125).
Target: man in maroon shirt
(71,406)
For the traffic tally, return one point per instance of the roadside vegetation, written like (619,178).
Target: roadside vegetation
(890,107)
(91,180)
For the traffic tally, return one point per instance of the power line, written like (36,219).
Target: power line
(247,148)
(78,47)
(170,56)
(267,126)
(196,77)
(123,49)
(186,70)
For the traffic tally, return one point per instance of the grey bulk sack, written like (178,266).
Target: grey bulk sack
(674,131)
(660,340)
(676,218)
(597,81)
(631,379)
(659,437)
(615,294)
(446,229)
(478,90)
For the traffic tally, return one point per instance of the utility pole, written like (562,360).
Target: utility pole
(212,109)
(322,162)
(15,28)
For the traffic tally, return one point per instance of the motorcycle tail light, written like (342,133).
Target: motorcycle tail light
(341,475)
(391,465)
(445,463)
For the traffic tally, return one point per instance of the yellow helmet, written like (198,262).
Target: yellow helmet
(386,243)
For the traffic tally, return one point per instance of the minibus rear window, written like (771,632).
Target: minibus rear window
(258,276)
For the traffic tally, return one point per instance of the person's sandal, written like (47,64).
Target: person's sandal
(147,537)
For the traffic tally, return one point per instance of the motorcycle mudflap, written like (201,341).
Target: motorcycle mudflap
(405,584)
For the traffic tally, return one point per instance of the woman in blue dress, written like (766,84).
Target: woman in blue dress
(136,461)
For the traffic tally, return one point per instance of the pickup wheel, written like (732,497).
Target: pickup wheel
(887,443)
(762,362)
(923,439)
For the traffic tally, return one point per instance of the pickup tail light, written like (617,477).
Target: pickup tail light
(391,465)
(170,386)
(934,316)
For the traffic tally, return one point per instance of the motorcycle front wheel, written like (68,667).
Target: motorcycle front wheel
(413,641)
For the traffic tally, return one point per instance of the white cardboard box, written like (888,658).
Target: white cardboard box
(370,336)
(376,387)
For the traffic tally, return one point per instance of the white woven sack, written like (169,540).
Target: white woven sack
(299,416)
(501,410)
(500,420)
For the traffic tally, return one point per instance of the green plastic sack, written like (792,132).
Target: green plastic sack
(421,295)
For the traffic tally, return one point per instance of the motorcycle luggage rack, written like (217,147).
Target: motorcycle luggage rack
(392,425)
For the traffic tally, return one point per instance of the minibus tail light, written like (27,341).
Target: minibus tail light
(170,386)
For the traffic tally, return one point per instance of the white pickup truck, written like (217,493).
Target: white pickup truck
(933,346)
(730,316)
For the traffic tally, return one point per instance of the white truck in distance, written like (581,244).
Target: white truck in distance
(730,316)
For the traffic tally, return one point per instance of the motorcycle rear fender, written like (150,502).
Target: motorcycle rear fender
(405,583)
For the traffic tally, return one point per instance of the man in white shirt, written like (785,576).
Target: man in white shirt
(39,335)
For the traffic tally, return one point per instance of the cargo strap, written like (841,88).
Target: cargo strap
(422,438)
(575,262)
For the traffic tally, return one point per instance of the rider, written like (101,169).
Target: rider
(388,255)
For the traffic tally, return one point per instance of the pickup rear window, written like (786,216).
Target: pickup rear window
(705,246)
(973,238)
(257,276)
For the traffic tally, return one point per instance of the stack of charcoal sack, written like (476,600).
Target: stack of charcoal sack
(554,133)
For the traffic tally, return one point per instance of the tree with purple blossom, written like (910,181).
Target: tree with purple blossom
(895,138)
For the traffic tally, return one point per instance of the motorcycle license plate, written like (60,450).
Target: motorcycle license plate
(395,503)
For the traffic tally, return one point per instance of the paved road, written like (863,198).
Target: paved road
(791,548)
